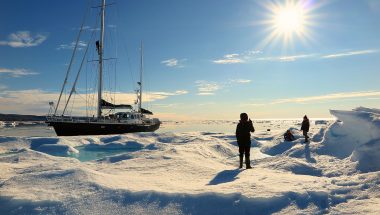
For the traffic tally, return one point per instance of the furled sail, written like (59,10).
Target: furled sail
(108,105)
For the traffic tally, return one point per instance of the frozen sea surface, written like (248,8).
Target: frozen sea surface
(225,126)
(191,168)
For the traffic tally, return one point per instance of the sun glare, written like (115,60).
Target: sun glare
(288,21)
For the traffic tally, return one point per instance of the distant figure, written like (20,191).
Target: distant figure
(243,137)
(305,128)
(288,136)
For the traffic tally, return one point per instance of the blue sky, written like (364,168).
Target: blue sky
(203,59)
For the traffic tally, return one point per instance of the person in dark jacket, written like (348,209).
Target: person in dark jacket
(288,136)
(305,128)
(243,137)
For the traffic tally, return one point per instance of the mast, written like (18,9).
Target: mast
(100,52)
(141,72)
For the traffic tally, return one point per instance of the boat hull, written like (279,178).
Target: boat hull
(88,128)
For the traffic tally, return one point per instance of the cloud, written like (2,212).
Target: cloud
(176,117)
(207,87)
(286,58)
(206,104)
(152,96)
(327,97)
(206,93)
(173,62)
(236,58)
(334,96)
(171,105)
(229,59)
(35,101)
(291,58)
(81,45)
(351,53)
(89,28)
(16,73)
(240,81)
(23,39)
(251,56)
(170,62)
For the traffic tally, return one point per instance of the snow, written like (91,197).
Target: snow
(195,172)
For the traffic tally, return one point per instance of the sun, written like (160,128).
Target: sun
(289,19)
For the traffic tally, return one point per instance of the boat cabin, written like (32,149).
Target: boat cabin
(128,116)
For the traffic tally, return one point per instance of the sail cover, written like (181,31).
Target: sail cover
(145,111)
(108,105)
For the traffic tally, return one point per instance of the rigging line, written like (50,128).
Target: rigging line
(111,42)
(126,51)
(94,86)
(116,54)
(114,81)
(86,90)
(77,77)
(71,60)
(72,107)
(93,67)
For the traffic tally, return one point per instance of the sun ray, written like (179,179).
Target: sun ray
(288,22)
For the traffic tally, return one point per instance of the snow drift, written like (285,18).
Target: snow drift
(196,172)
(356,134)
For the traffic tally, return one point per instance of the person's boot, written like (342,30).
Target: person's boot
(241,162)
(247,163)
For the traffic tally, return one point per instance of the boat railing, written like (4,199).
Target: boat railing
(96,120)
(69,119)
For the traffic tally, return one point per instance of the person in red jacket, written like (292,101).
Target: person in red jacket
(243,137)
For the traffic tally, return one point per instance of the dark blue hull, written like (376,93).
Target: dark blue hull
(91,128)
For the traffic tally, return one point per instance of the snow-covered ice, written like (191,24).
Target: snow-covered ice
(178,172)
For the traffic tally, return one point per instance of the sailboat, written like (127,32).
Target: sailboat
(118,123)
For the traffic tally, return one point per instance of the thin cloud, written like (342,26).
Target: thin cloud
(236,58)
(16,73)
(23,39)
(251,56)
(171,105)
(89,28)
(206,104)
(229,59)
(328,97)
(240,81)
(81,45)
(334,96)
(163,95)
(174,62)
(351,53)
(206,88)
(206,93)
(35,101)
(286,58)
